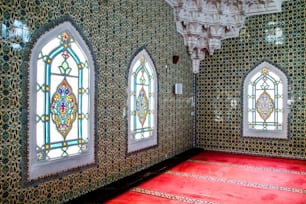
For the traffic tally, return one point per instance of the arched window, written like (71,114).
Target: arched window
(61,134)
(142,103)
(265,95)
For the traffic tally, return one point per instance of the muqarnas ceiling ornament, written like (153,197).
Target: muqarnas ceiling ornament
(204,23)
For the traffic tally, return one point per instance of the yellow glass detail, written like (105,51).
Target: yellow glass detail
(142,60)
(264,70)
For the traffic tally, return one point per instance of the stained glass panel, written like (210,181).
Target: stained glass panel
(142,113)
(142,99)
(265,99)
(62,99)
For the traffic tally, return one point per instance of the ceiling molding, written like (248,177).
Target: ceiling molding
(205,23)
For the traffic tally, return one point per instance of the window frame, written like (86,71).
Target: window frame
(270,134)
(40,169)
(150,142)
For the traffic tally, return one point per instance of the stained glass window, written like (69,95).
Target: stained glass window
(142,103)
(62,91)
(265,99)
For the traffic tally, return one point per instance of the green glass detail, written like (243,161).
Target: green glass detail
(64,68)
(43,57)
(142,80)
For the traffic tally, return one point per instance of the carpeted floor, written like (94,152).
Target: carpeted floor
(214,177)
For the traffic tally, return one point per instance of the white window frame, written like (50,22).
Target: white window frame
(39,169)
(274,134)
(134,146)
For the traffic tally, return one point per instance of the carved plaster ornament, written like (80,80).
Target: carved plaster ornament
(204,23)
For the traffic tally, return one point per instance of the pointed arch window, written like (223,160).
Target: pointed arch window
(142,103)
(265,112)
(61,103)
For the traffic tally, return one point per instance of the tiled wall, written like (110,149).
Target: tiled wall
(115,30)
(220,79)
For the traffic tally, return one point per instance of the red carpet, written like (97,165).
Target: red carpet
(213,177)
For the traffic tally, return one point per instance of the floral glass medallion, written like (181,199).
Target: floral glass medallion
(264,105)
(63,108)
(142,105)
